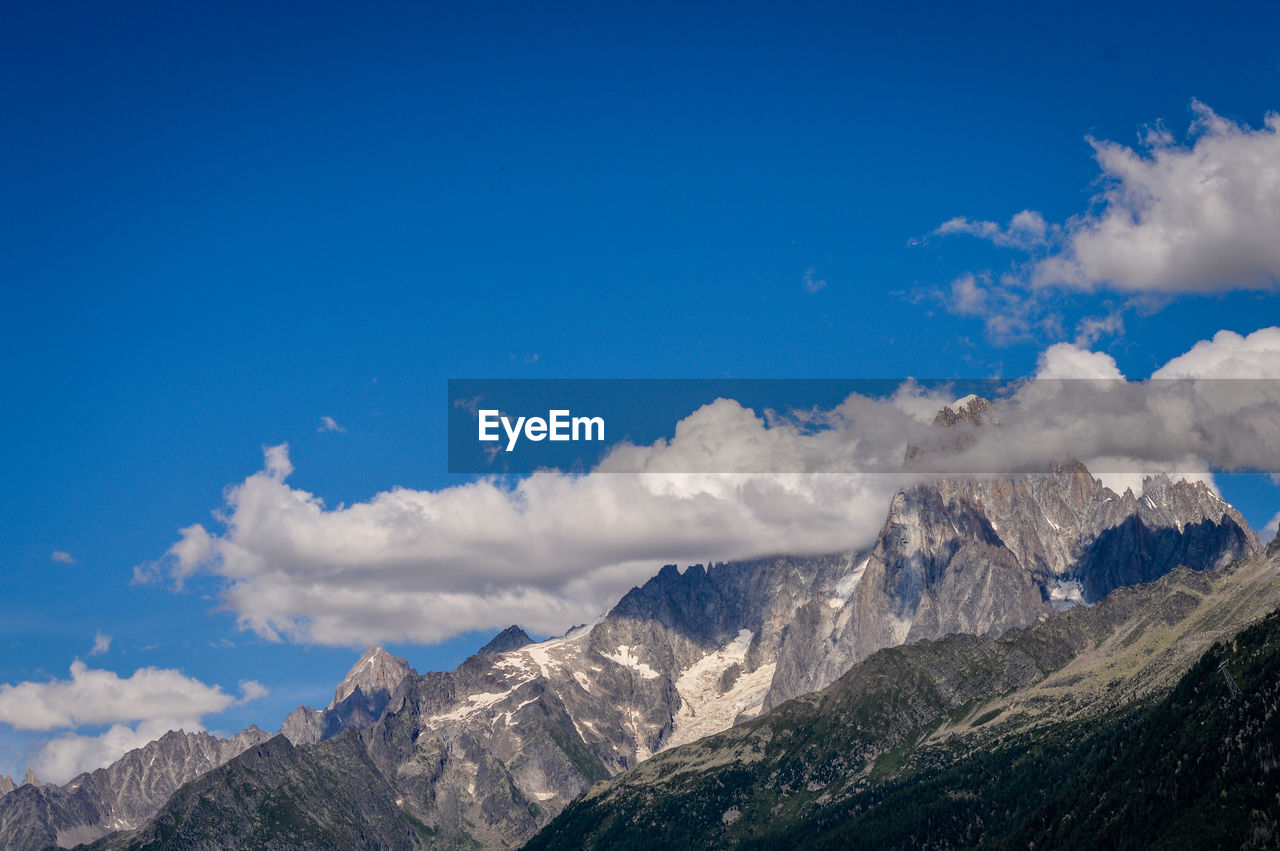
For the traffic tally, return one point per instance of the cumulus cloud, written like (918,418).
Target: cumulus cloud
(1065,360)
(1196,217)
(1172,217)
(136,709)
(1229,355)
(69,754)
(547,552)
(96,696)
(62,557)
(550,549)
(328,423)
(101,644)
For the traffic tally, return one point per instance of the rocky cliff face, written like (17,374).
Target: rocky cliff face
(983,556)
(118,797)
(358,701)
(6,785)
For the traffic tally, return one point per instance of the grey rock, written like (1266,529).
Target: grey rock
(511,638)
(121,796)
(985,556)
(358,701)
(310,797)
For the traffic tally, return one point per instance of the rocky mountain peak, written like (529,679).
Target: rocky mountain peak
(31,780)
(376,671)
(972,408)
(511,638)
(6,785)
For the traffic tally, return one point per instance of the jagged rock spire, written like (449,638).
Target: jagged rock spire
(377,670)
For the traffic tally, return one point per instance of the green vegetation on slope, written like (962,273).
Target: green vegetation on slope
(1187,766)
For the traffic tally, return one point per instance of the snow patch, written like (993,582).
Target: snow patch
(1065,593)
(623,656)
(845,587)
(475,703)
(704,710)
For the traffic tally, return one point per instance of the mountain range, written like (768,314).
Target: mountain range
(492,752)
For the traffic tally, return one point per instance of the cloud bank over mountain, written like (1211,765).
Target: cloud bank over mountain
(556,549)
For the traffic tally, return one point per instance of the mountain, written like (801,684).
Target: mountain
(6,785)
(119,797)
(490,752)
(511,638)
(1100,726)
(327,796)
(125,794)
(983,556)
(358,701)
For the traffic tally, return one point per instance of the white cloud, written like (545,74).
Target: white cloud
(812,283)
(1065,360)
(137,709)
(62,557)
(101,644)
(1269,533)
(69,754)
(1229,355)
(96,696)
(1026,230)
(1200,217)
(550,550)
(1009,312)
(1092,328)
(251,690)
(328,423)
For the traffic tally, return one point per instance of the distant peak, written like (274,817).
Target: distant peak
(970,408)
(377,670)
(511,638)
(30,779)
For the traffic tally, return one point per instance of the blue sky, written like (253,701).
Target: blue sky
(221,224)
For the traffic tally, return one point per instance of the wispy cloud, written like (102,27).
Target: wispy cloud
(328,423)
(811,281)
(1026,230)
(62,557)
(101,644)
